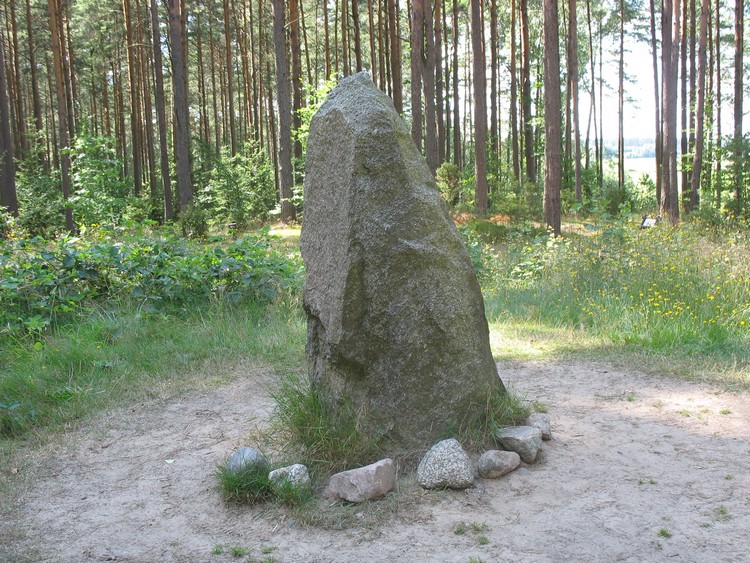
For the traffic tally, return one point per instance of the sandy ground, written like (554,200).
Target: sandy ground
(631,456)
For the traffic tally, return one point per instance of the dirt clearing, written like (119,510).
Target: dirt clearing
(639,469)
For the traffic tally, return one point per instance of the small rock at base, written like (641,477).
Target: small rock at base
(446,466)
(245,459)
(295,475)
(540,420)
(496,463)
(364,483)
(526,441)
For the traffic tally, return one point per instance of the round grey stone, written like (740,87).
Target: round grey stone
(526,441)
(245,459)
(496,463)
(295,475)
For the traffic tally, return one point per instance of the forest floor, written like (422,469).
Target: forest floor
(640,468)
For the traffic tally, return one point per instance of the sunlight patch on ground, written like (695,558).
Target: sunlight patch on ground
(532,341)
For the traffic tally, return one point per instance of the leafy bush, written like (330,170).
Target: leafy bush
(240,188)
(40,200)
(43,283)
(448,178)
(193,221)
(99,193)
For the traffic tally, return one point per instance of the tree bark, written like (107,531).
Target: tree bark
(161,114)
(573,72)
(739,46)
(417,44)
(621,104)
(456,98)
(657,113)
(395,42)
(8,197)
(700,110)
(514,93)
(428,77)
(480,117)
(58,40)
(229,61)
(526,94)
(180,105)
(552,118)
(493,136)
(286,180)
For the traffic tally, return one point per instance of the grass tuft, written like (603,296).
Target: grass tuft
(330,440)
(250,486)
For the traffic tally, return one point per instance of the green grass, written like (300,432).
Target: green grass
(624,293)
(124,354)
(250,486)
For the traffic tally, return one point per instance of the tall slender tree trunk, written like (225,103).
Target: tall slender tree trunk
(417,46)
(297,100)
(180,105)
(700,110)
(621,104)
(357,36)
(286,180)
(8,196)
(552,118)
(428,77)
(493,81)
(395,42)
(439,85)
(480,116)
(719,151)
(657,104)
(229,62)
(514,92)
(135,100)
(526,94)
(326,40)
(161,114)
(684,149)
(36,99)
(573,72)
(456,99)
(670,52)
(58,40)
(739,47)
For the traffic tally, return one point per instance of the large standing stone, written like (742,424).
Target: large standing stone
(396,324)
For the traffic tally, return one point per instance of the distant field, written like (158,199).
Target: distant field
(636,167)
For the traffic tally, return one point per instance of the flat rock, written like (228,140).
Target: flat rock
(526,441)
(541,421)
(364,483)
(396,325)
(446,466)
(294,475)
(496,463)
(245,459)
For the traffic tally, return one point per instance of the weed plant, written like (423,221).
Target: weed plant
(250,486)
(668,291)
(330,439)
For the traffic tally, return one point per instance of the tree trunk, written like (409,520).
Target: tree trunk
(526,94)
(684,150)
(395,41)
(372,32)
(670,51)
(718,106)
(621,104)
(417,43)
(514,92)
(456,98)
(297,102)
(657,113)
(180,105)
(161,114)
(699,112)
(552,118)
(286,180)
(230,78)
(739,45)
(428,76)
(8,197)
(58,40)
(573,72)
(36,99)
(357,36)
(480,117)
(135,101)
(493,81)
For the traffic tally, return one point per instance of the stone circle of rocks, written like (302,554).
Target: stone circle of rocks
(246,459)
(364,483)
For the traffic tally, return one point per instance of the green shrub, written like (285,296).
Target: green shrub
(248,486)
(193,221)
(40,200)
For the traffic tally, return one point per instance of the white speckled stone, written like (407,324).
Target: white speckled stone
(446,466)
